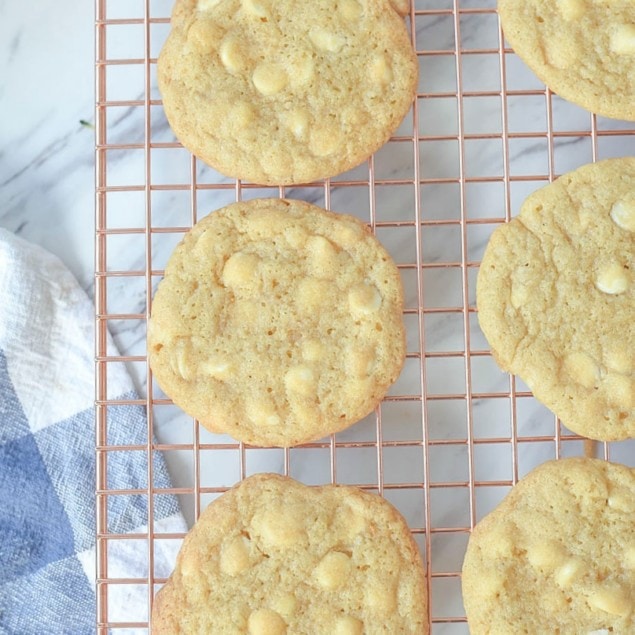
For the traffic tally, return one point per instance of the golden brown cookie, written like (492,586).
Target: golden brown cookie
(273,556)
(282,92)
(557,555)
(278,322)
(584,50)
(556,298)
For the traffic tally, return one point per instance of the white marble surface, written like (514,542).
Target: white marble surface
(47,196)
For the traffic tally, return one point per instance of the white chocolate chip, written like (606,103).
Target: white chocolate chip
(612,279)
(380,70)
(629,557)
(622,501)
(322,247)
(207,5)
(354,519)
(325,140)
(619,360)
(296,237)
(279,527)
(217,367)
(322,258)
(571,9)
(180,360)
(348,626)
(601,631)
(234,556)
(231,54)
(285,604)
(561,52)
(256,8)
(361,361)
(502,543)
(355,525)
(364,299)
(242,115)
(261,224)
(312,350)
(181,363)
(381,598)
(326,41)
(570,571)
(348,236)
(266,622)
(621,389)
(301,380)
(333,570)
(546,556)
(301,68)
(612,600)
(350,10)
(205,35)
(623,214)
(269,78)
(297,122)
(262,412)
(582,369)
(355,117)
(585,217)
(240,271)
(519,294)
(623,39)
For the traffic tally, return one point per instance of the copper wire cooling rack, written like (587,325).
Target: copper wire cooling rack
(454,434)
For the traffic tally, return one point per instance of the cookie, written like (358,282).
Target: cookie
(281,91)
(278,322)
(556,298)
(584,50)
(557,555)
(273,556)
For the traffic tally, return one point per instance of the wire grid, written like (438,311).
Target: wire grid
(453,435)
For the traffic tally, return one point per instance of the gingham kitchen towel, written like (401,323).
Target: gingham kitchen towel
(47,464)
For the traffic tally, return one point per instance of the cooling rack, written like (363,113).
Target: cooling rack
(454,434)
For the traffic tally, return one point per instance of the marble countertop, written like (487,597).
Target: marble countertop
(46,156)
(47,196)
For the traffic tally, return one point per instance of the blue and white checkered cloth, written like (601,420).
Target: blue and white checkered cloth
(47,458)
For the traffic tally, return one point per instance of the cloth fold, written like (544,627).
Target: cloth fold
(47,459)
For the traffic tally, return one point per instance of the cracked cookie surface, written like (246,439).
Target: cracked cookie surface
(556,298)
(273,556)
(282,92)
(557,555)
(278,322)
(584,50)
